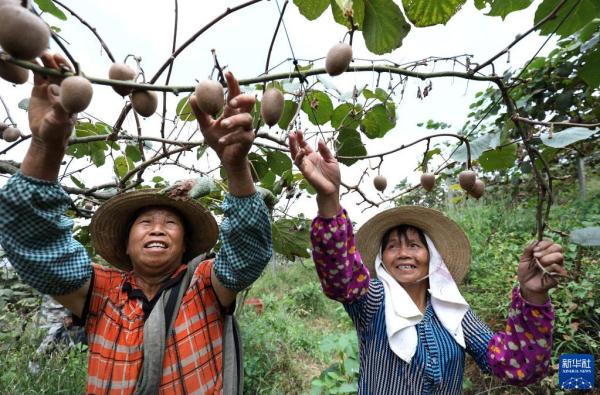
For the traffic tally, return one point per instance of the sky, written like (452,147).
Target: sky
(241,40)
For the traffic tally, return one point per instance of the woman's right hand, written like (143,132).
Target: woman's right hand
(320,169)
(50,124)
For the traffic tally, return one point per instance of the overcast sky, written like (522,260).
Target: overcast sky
(144,28)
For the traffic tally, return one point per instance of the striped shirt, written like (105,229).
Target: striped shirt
(519,355)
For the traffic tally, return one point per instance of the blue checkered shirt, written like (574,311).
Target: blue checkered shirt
(37,238)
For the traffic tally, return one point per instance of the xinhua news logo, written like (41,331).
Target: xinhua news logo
(576,371)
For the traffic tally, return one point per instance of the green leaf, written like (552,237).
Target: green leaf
(379,94)
(184,110)
(478,146)
(317,105)
(311,9)
(77,182)
(279,162)
(268,180)
(133,152)
(589,72)
(378,121)
(259,164)
(343,117)
(384,26)
(289,109)
(499,159)
(49,7)
(584,12)
(358,13)
(121,167)
(566,137)
(428,13)
(588,237)
(502,8)
(348,143)
(429,155)
(24,104)
(201,150)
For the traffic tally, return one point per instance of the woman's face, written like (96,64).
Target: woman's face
(405,256)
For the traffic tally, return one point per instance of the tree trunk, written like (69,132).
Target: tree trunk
(581,176)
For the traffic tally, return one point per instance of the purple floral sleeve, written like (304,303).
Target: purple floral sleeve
(343,276)
(521,354)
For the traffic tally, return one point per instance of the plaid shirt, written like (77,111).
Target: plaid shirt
(114,321)
(37,239)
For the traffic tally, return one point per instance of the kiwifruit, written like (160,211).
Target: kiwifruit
(22,34)
(13,73)
(466,179)
(75,94)
(338,58)
(144,102)
(121,72)
(209,96)
(428,181)
(380,183)
(271,106)
(478,189)
(11,134)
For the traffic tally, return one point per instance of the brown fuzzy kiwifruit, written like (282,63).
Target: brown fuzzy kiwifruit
(209,97)
(22,34)
(338,58)
(75,94)
(121,72)
(380,183)
(428,181)
(271,106)
(144,102)
(13,73)
(466,179)
(478,189)
(11,134)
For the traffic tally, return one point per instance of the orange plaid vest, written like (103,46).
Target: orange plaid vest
(114,322)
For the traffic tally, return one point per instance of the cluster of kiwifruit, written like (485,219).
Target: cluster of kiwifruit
(25,36)
(9,133)
(467,179)
(144,102)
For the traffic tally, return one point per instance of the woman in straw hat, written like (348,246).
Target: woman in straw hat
(398,282)
(139,341)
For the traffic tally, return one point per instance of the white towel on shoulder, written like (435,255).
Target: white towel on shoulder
(402,314)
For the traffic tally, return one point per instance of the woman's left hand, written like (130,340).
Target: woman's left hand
(535,281)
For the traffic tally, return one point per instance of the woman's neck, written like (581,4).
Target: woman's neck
(418,293)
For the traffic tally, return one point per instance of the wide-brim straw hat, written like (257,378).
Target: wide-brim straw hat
(110,224)
(449,239)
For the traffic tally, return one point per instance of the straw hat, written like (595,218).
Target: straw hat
(447,236)
(110,224)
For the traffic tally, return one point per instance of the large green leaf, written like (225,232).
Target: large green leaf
(378,121)
(588,237)
(259,164)
(184,111)
(502,8)
(311,9)
(279,162)
(133,152)
(49,7)
(384,26)
(343,117)
(317,105)
(428,13)
(358,13)
(499,159)
(478,146)
(289,110)
(291,238)
(348,143)
(590,72)
(121,167)
(584,12)
(566,137)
